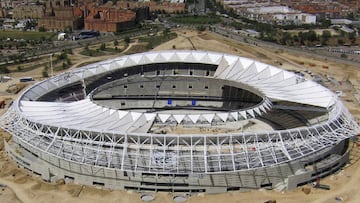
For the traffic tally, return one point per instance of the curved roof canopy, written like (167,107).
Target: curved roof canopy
(274,83)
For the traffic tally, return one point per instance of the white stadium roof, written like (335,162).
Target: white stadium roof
(274,83)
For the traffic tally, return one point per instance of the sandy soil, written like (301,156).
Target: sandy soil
(22,187)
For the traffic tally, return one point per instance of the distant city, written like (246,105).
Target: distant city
(68,15)
(294,11)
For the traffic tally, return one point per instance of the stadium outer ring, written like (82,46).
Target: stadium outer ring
(62,148)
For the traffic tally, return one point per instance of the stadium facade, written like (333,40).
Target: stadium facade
(180,121)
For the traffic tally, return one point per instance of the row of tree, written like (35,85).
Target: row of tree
(308,38)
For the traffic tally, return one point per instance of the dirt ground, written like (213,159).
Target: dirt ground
(16,185)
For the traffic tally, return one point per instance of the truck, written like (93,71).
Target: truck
(26,79)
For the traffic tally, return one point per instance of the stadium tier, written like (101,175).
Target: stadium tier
(180,121)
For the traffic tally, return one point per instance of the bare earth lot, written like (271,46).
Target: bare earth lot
(22,187)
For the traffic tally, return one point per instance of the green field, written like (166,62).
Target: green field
(154,41)
(26,35)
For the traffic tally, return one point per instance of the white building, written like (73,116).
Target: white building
(279,15)
(271,9)
(341,22)
(296,18)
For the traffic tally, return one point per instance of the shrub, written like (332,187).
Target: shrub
(127,40)
(102,47)
(45,74)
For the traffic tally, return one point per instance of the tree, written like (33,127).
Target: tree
(62,56)
(30,24)
(286,38)
(68,29)
(340,42)
(127,39)
(350,16)
(325,36)
(86,48)
(296,38)
(352,37)
(325,23)
(42,29)
(149,45)
(68,51)
(102,47)
(116,43)
(4,70)
(201,28)
(45,74)
(311,36)
(166,32)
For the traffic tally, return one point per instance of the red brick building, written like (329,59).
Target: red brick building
(63,19)
(167,7)
(28,11)
(108,19)
(61,15)
(93,15)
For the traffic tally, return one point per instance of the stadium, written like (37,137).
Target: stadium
(180,121)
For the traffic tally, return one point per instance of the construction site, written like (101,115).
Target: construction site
(286,138)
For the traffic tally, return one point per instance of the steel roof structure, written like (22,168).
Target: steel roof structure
(87,133)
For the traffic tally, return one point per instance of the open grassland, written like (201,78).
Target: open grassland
(26,35)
